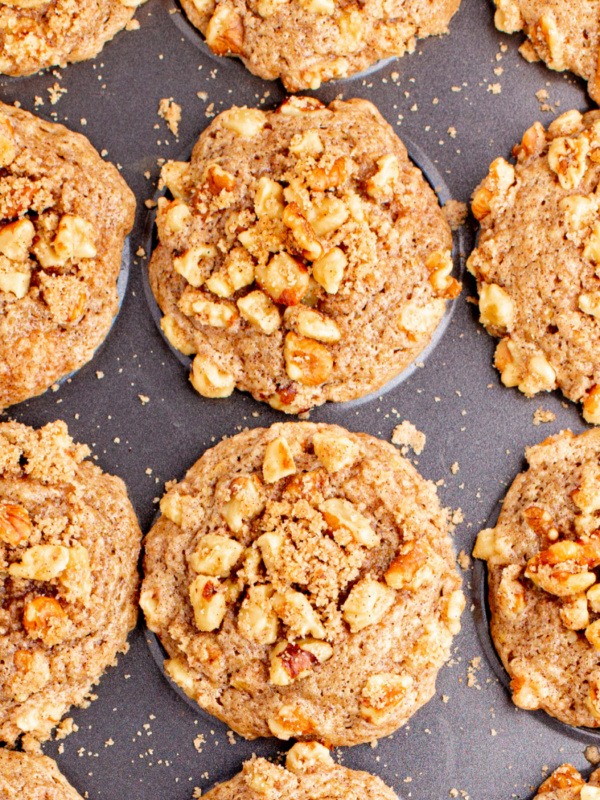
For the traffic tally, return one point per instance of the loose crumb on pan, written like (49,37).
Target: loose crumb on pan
(592,754)
(408,435)
(170,111)
(543,416)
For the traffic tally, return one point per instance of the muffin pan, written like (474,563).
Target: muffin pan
(463,100)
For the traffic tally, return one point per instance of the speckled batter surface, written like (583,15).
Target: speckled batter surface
(28,777)
(69,545)
(303,258)
(563,33)
(543,558)
(302,581)
(310,773)
(308,42)
(42,33)
(538,260)
(64,215)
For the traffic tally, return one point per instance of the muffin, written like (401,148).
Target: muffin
(537,262)
(35,34)
(563,33)
(310,773)
(302,581)
(64,216)
(543,557)
(308,42)
(32,777)
(69,546)
(303,257)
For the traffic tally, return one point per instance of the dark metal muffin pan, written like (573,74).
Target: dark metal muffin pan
(136,740)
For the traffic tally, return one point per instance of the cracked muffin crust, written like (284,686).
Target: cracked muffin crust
(302,581)
(303,258)
(310,773)
(32,777)
(69,545)
(563,33)
(35,34)
(307,42)
(64,216)
(565,783)
(543,561)
(537,261)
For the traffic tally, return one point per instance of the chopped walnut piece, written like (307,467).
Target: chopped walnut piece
(170,506)
(341,513)
(216,555)
(290,721)
(15,524)
(188,264)
(295,611)
(532,143)
(278,461)
(539,519)
(42,562)
(592,634)
(245,122)
(411,568)
(303,232)
(268,200)
(246,501)
(219,180)
(45,619)
(313,324)
(335,452)
(454,608)
(175,175)
(566,124)
(75,238)
(548,569)
(306,361)
(567,158)
(367,604)
(496,307)
(209,380)
(225,32)
(565,777)
(591,406)
(283,278)
(511,592)
(257,620)
(289,662)
(524,694)
(16,238)
(306,756)
(177,670)
(574,612)
(208,602)
(381,185)
(382,694)
(260,311)
(328,270)
(176,335)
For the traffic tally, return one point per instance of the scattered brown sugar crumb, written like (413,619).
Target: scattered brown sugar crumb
(199,741)
(463,560)
(455,213)
(66,727)
(406,434)
(495,88)
(55,93)
(543,416)
(170,111)
(454,468)
(542,95)
(132,25)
